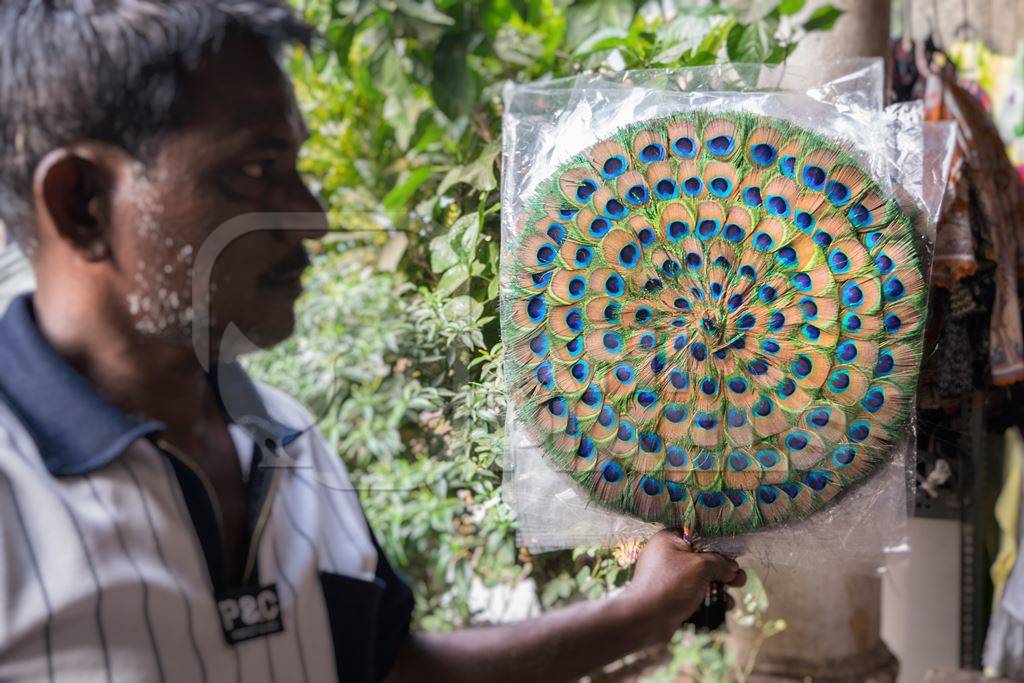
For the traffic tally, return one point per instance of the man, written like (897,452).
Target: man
(162,517)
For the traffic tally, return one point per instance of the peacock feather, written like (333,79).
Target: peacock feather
(714,321)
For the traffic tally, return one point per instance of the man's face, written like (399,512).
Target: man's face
(234,154)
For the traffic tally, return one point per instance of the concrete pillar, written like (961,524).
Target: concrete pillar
(833,618)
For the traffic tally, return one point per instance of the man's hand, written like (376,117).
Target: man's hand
(671,580)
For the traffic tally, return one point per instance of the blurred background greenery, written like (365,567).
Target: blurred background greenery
(397,350)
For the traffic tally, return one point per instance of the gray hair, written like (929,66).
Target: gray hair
(106,70)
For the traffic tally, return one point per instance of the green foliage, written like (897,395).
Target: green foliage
(397,349)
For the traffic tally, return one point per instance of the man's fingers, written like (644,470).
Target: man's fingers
(739,580)
(730,603)
(719,568)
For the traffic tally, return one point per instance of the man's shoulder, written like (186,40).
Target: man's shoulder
(283,407)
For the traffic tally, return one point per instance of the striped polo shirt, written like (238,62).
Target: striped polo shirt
(111,565)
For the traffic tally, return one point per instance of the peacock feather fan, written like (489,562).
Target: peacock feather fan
(714,321)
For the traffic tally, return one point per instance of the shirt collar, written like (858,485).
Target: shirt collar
(76,429)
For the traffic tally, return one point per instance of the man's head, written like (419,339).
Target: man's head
(130,131)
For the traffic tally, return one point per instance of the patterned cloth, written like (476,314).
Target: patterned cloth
(985,219)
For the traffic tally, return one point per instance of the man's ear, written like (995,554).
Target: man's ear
(71,192)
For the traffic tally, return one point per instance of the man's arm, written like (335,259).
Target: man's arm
(668,586)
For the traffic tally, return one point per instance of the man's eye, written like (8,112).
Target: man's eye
(257,169)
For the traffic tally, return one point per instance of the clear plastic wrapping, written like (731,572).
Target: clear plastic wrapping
(547,123)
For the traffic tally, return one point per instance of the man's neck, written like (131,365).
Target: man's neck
(139,375)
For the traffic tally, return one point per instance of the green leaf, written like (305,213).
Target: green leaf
(585,18)
(823,18)
(452,279)
(424,11)
(790,6)
(401,193)
(604,39)
(442,255)
(455,87)
(751,42)
(479,174)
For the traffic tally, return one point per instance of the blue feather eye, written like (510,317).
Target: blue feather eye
(736,418)
(735,301)
(586,448)
(801,281)
(777,321)
(539,344)
(763,154)
(557,232)
(884,364)
(699,352)
(752,196)
(637,195)
(721,145)
(566,213)
(614,285)
(873,400)
(643,314)
(844,455)
(577,287)
(679,379)
(858,431)
(763,241)
(707,228)
(837,192)
(585,190)
(693,186)
(649,485)
(734,233)
(851,322)
(624,373)
(706,421)
(766,494)
(599,227)
(557,406)
(892,323)
(591,396)
(787,165)
(693,260)
(808,308)
(614,209)
(802,366)
(629,255)
(536,309)
(614,166)
(677,230)
(767,458)
(541,280)
(853,295)
(738,385)
(612,341)
(893,289)
(545,375)
(819,417)
(611,472)
(720,187)
(646,237)
(814,177)
(804,221)
(786,256)
(666,188)
(583,256)
(685,147)
(778,205)
(884,264)
(652,152)
(675,412)
(859,216)
(847,352)
(822,239)
(838,261)
(738,461)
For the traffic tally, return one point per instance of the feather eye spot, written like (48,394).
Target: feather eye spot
(539,344)
(675,412)
(747,271)
(873,239)
(676,492)
(557,406)
(611,312)
(580,370)
(606,418)
(536,308)
(708,386)
(853,295)
(803,221)
(847,352)
(583,256)
(648,341)
(757,367)
(624,373)
(851,322)
(716,290)
(817,480)
(822,239)
(652,152)
(585,190)
(721,145)
(734,233)
(736,418)
(810,332)
(614,166)
(858,431)
(574,320)
(777,321)
(650,486)
(763,241)
(586,448)
(747,321)
(892,323)
(770,346)
(844,455)
(699,352)
(839,381)
(734,303)
(629,255)
(838,261)
(692,186)
(766,495)
(778,205)
(557,232)
(801,281)
(893,289)
(885,363)
(819,418)
(680,341)
(650,442)
(837,192)
(546,254)
(752,196)
(767,294)
(599,227)
(643,314)
(577,287)
(545,375)
(786,256)
(693,260)
(591,396)
(685,147)
(614,285)
(738,385)
(677,230)
(575,346)
(611,472)
(706,421)
(666,189)
(738,461)
(859,215)
(814,177)
(711,499)
(614,209)
(802,366)
(787,166)
(763,154)
(767,458)
(540,280)
(873,400)
(884,264)
(720,187)
(679,380)
(786,388)
(612,341)
(646,237)
(797,441)
(707,228)
(658,363)
(627,432)
(566,213)
(636,195)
